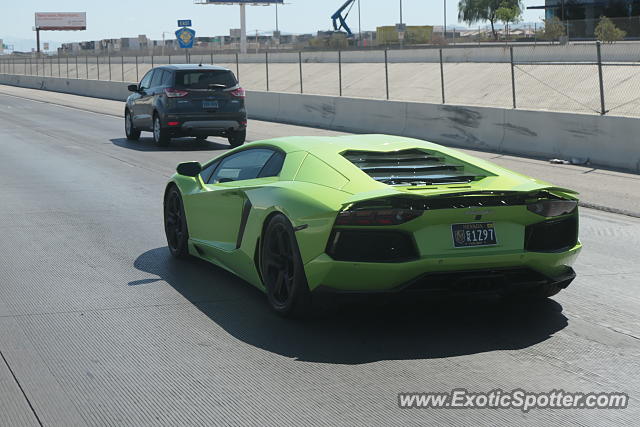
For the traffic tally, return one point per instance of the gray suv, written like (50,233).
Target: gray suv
(187,100)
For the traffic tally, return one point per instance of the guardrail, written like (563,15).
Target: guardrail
(606,140)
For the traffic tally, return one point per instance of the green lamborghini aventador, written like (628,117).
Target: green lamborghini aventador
(300,216)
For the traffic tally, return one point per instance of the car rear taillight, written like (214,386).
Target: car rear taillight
(377,217)
(173,123)
(175,93)
(551,208)
(238,93)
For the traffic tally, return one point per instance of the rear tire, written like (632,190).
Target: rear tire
(160,134)
(237,137)
(175,224)
(132,133)
(282,269)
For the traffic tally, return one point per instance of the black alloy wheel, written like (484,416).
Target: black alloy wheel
(175,224)
(282,270)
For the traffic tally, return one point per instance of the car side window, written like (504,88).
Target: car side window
(166,79)
(246,164)
(273,165)
(207,170)
(145,83)
(157,78)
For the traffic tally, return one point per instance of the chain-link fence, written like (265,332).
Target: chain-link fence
(586,78)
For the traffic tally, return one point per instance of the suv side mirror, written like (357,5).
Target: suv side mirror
(132,88)
(189,168)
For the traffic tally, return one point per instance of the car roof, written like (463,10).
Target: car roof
(322,146)
(192,67)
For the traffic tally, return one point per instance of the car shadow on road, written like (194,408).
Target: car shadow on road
(354,334)
(176,144)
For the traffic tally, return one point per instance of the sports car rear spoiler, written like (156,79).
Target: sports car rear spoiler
(445,192)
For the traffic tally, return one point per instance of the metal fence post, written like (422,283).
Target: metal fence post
(137,74)
(266,64)
(169,59)
(386,71)
(603,111)
(300,67)
(186,55)
(513,77)
(211,58)
(152,63)
(59,67)
(122,64)
(340,72)
(86,63)
(98,66)
(237,66)
(109,58)
(77,72)
(442,76)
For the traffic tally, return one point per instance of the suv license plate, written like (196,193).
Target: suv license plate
(473,234)
(210,105)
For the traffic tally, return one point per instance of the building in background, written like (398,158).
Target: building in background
(415,34)
(582,16)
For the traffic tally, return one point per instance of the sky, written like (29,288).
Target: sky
(120,18)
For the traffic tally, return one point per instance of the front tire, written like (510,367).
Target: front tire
(237,137)
(175,224)
(282,269)
(160,134)
(132,133)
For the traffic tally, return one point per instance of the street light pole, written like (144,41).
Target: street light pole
(359,25)
(444,27)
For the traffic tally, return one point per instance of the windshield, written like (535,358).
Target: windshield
(205,79)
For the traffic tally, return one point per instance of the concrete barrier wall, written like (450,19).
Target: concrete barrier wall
(605,140)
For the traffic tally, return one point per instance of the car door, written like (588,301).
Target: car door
(155,91)
(142,103)
(218,211)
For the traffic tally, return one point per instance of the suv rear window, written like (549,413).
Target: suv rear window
(205,79)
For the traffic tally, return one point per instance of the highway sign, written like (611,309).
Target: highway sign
(184,23)
(186,37)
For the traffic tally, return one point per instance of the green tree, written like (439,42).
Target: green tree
(554,28)
(472,11)
(509,13)
(606,31)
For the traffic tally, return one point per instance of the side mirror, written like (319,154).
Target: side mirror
(132,88)
(189,168)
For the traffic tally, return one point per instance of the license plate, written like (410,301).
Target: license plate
(210,105)
(473,234)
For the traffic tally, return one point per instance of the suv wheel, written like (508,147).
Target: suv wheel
(132,133)
(160,135)
(237,137)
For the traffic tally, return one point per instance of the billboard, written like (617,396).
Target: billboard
(239,1)
(61,21)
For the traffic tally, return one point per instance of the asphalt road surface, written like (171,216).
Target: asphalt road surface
(100,326)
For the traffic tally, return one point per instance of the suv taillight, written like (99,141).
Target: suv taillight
(175,93)
(377,217)
(238,93)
